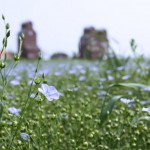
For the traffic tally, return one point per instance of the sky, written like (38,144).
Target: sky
(59,24)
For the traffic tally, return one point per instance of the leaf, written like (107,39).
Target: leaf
(130,85)
(108,109)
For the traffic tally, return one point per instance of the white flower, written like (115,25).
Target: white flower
(49,92)
(14,110)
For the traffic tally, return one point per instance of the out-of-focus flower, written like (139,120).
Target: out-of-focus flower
(49,92)
(32,95)
(146,88)
(120,68)
(79,67)
(102,80)
(126,101)
(58,73)
(25,136)
(72,71)
(14,110)
(76,89)
(15,82)
(145,102)
(110,78)
(125,77)
(94,69)
(61,65)
(146,109)
(89,87)
(82,71)
(81,78)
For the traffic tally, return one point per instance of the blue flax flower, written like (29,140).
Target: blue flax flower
(146,109)
(25,136)
(49,92)
(14,110)
(126,101)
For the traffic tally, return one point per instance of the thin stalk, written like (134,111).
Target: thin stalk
(25,106)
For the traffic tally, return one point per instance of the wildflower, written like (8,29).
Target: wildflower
(72,72)
(25,136)
(94,69)
(126,101)
(32,95)
(14,110)
(146,88)
(15,82)
(58,73)
(76,89)
(49,92)
(81,78)
(145,102)
(89,88)
(120,68)
(125,77)
(146,109)
(110,78)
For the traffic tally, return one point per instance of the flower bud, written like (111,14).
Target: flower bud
(7,26)
(16,58)
(37,80)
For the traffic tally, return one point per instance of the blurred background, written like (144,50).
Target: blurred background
(59,24)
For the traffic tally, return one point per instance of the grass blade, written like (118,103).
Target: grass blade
(108,109)
(130,85)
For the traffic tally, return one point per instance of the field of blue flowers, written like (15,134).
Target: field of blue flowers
(74,104)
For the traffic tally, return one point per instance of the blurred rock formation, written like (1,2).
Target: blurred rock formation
(29,47)
(93,44)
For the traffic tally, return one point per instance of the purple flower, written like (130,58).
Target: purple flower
(49,92)
(146,109)
(25,136)
(14,110)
